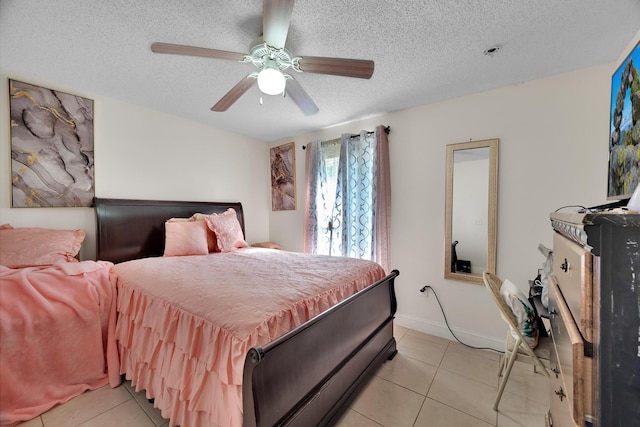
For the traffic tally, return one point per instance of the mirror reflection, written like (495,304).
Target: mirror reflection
(471,199)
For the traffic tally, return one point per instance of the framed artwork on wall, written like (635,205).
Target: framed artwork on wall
(52,163)
(283,179)
(624,128)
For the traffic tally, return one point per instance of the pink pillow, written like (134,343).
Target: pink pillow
(24,247)
(185,238)
(211,237)
(227,230)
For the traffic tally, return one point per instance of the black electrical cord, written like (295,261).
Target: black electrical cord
(423,289)
(571,206)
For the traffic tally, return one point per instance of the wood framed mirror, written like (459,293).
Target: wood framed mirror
(471,210)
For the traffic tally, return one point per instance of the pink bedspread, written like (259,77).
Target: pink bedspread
(186,323)
(57,339)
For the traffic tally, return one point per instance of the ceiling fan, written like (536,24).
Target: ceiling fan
(269,55)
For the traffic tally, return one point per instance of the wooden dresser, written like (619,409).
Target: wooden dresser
(594,304)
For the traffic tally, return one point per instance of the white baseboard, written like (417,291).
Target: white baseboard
(440,329)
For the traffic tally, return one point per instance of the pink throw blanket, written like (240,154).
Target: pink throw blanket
(185,324)
(57,326)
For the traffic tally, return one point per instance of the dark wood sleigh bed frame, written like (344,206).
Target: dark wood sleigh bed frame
(308,376)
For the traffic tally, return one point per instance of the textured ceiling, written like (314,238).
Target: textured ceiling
(425,51)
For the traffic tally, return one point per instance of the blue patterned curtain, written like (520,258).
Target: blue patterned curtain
(353,213)
(347,199)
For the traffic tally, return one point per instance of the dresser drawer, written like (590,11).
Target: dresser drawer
(572,268)
(560,406)
(575,369)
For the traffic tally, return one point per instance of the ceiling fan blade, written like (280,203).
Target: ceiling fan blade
(177,49)
(359,68)
(295,91)
(232,96)
(276,17)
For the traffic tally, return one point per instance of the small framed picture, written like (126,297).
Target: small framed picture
(283,177)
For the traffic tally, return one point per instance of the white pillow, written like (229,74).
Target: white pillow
(525,315)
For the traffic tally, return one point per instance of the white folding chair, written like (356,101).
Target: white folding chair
(515,349)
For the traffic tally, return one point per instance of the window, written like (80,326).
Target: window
(342,202)
(326,243)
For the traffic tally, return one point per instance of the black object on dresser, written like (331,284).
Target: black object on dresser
(596,292)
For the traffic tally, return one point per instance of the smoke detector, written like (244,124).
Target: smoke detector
(491,51)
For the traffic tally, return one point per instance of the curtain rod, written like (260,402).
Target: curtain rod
(387,130)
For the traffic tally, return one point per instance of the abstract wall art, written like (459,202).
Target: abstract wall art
(283,181)
(52,163)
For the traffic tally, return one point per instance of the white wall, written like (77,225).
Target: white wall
(144,154)
(553,152)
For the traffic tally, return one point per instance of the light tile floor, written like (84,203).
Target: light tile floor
(431,382)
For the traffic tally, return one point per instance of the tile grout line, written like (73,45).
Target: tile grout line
(101,413)
(439,368)
(131,392)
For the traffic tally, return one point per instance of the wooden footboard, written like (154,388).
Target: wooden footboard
(310,375)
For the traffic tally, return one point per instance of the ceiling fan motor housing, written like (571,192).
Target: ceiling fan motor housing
(264,56)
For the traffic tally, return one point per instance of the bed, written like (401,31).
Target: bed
(300,374)
(57,320)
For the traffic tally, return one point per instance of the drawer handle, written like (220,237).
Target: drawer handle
(555,370)
(560,394)
(564,266)
(552,312)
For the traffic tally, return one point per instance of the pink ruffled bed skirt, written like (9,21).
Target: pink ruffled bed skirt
(171,366)
(185,324)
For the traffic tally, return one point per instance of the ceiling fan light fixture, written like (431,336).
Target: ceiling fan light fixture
(271,81)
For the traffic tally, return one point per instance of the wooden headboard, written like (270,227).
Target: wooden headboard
(133,229)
